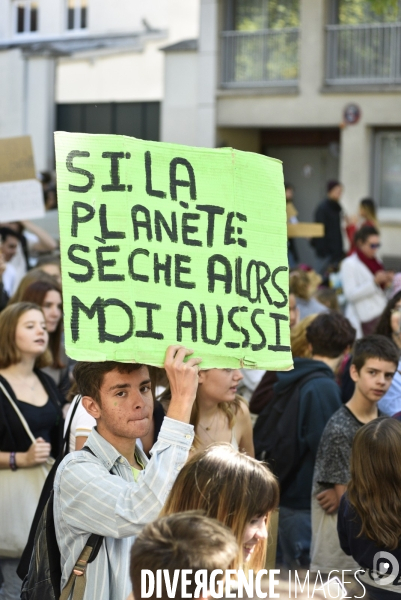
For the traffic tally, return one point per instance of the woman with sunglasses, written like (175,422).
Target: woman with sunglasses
(364,281)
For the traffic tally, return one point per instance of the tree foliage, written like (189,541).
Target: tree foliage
(254,15)
(357,12)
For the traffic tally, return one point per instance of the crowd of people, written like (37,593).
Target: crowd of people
(184,468)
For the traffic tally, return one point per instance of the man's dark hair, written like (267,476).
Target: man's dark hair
(332,183)
(330,334)
(374,346)
(187,540)
(364,233)
(89,375)
(5,232)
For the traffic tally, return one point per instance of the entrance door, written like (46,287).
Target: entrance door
(307,168)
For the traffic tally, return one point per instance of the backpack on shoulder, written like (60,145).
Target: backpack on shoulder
(44,575)
(40,565)
(275,435)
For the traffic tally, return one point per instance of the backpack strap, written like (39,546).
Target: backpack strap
(66,440)
(77,579)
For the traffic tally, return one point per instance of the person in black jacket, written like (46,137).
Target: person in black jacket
(329,335)
(329,248)
(23,350)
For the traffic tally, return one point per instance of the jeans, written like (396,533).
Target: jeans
(11,588)
(294,536)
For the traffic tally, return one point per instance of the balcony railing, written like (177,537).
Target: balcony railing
(364,54)
(267,57)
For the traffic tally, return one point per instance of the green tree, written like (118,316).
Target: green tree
(254,15)
(357,12)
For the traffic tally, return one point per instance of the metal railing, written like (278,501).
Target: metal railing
(363,53)
(268,57)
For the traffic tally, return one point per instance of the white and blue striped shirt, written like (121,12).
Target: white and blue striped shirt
(89,499)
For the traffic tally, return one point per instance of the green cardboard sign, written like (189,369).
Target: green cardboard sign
(164,244)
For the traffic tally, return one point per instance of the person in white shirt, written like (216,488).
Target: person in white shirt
(113,490)
(9,244)
(30,238)
(364,282)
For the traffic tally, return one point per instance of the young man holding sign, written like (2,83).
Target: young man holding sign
(107,490)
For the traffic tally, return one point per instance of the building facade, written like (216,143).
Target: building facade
(93,66)
(315,83)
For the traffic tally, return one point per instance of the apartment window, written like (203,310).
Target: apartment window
(77,14)
(255,15)
(387,169)
(260,44)
(25,16)
(361,12)
(364,42)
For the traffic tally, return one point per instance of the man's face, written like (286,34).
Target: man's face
(126,406)
(9,247)
(336,192)
(294,311)
(374,378)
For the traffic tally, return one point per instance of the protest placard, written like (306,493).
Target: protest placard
(164,244)
(21,195)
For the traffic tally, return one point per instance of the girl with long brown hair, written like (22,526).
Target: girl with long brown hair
(46,293)
(369,517)
(30,430)
(233,488)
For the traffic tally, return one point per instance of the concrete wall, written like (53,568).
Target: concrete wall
(189,105)
(12,79)
(180,102)
(28,106)
(40,109)
(207,73)
(52,17)
(127,76)
(5,13)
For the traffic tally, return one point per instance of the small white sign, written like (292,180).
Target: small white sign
(21,200)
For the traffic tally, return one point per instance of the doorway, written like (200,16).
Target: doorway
(308,163)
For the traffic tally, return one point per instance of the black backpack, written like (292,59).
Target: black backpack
(275,434)
(40,565)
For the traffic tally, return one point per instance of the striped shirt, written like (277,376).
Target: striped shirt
(89,499)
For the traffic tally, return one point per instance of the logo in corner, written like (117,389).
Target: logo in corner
(385,568)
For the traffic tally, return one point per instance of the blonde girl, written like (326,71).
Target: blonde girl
(233,488)
(219,414)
